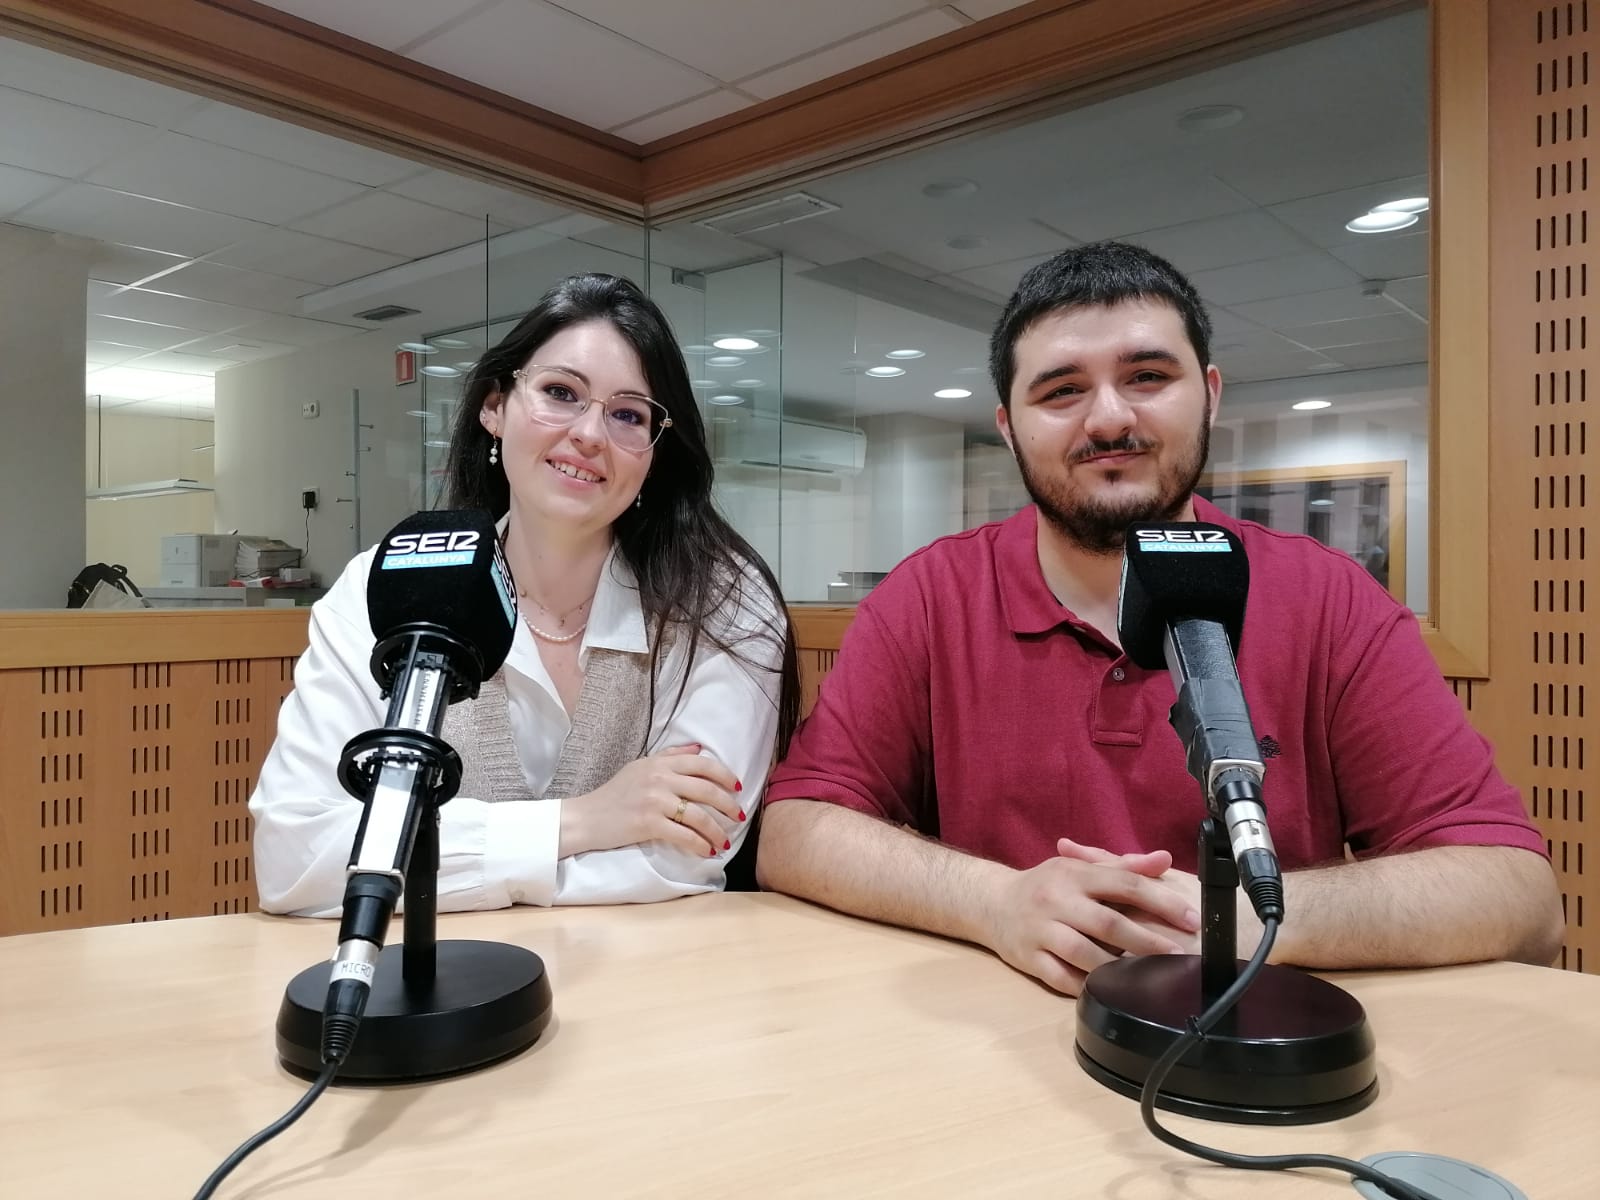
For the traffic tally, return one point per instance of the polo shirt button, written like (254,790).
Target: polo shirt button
(1118,674)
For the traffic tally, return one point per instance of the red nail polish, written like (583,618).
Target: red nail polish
(741,814)
(738,786)
(727,845)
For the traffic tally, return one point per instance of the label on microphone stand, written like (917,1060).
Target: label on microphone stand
(361,972)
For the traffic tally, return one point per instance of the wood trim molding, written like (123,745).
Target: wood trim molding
(1457,631)
(820,627)
(1036,53)
(84,638)
(270,61)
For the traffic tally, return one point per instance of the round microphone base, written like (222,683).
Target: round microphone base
(1295,1050)
(487,1001)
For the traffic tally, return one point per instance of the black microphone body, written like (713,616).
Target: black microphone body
(1181,605)
(441,605)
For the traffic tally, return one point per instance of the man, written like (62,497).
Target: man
(984,763)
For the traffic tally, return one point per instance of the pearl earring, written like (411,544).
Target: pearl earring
(638,500)
(494,452)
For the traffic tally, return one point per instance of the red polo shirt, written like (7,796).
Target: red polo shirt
(970,705)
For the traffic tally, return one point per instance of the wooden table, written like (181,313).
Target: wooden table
(732,1045)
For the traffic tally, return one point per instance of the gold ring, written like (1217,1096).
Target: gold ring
(682,805)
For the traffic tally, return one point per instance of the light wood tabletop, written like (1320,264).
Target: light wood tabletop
(737,1045)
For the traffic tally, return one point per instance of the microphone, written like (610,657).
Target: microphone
(443,610)
(1181,605)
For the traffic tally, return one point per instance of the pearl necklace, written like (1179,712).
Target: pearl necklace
(550,637)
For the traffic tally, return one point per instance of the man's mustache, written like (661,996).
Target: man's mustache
(1126,445)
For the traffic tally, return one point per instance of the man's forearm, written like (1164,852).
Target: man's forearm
(861,865)
(1447,904)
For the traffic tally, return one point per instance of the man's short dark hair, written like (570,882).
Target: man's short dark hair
(1097,275)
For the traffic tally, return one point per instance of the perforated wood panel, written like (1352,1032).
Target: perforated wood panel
(1540,704)
(125,789)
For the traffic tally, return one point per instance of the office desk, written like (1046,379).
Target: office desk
(724,1046)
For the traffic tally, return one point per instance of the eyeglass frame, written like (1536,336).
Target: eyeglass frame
(663,424)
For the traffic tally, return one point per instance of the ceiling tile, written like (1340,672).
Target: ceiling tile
(1399,255)
(86,85)
(378,22)
(238,348)
(732,39)
(185,312)
(301,256)
(394,224)
(473,198)
(128,264)
(1310,308)
(682,116)
(1222,241)
(229,285)
(1332,335)
(1240,285)
(585,72)
(137,333)
(183,362)
(1001,279)
(19,188)
(286,143)
(1322,217)
(1414,293)
(1120,203)
(293,331)
(854,52)
(109,354)
(130,220)
(1383,354)
(186,170)
(1247,367)
(62,139)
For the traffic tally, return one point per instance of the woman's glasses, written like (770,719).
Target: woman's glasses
(558,396)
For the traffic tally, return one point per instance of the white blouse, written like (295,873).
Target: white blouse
(493,855)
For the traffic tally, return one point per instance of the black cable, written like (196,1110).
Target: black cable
(256,1141)
(1195,1033)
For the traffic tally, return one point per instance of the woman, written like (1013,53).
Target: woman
(619,754)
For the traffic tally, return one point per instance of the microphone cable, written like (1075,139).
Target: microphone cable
(1197,1029)
(257,1140)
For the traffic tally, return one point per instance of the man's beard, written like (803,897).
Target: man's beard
(1099,526)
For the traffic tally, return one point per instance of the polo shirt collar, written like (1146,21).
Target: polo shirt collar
(1029,604)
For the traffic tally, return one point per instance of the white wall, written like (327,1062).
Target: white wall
(1379,415)
(44,299)
(267,451)
(135,449)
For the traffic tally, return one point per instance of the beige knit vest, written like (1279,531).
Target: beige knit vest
(609,727)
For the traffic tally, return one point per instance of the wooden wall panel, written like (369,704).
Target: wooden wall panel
(1538,708)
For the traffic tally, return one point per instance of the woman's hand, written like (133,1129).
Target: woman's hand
(666,797)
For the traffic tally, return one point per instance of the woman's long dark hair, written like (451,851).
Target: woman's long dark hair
(690,563)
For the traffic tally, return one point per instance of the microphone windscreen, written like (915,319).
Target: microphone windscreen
(445,568)
(1178,571)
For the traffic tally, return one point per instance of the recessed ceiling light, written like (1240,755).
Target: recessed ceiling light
(724,360)
(697,348)
(749,383)
(704,383)
(904,354)
(436,443)
(1323,503)
(418,347)
(451,343)
(418,412)
(1381,222)
(762,333)
(949,189)
(724,420)
(968,371)
(466,366)
(441,371)
(1413,204)
(967,241)
(725,399)
(1311,405)
(736,343)
(1210,116)
(951,394)
(885,372)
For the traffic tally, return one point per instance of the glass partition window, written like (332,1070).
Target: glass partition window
(1291,187)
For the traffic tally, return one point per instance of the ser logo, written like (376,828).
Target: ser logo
(1188,536)
(460,541)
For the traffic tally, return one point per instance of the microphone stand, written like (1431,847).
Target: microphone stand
(1295,1050)
(489,1001)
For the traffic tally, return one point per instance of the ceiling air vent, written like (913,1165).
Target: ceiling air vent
(385,312)
(797,206)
